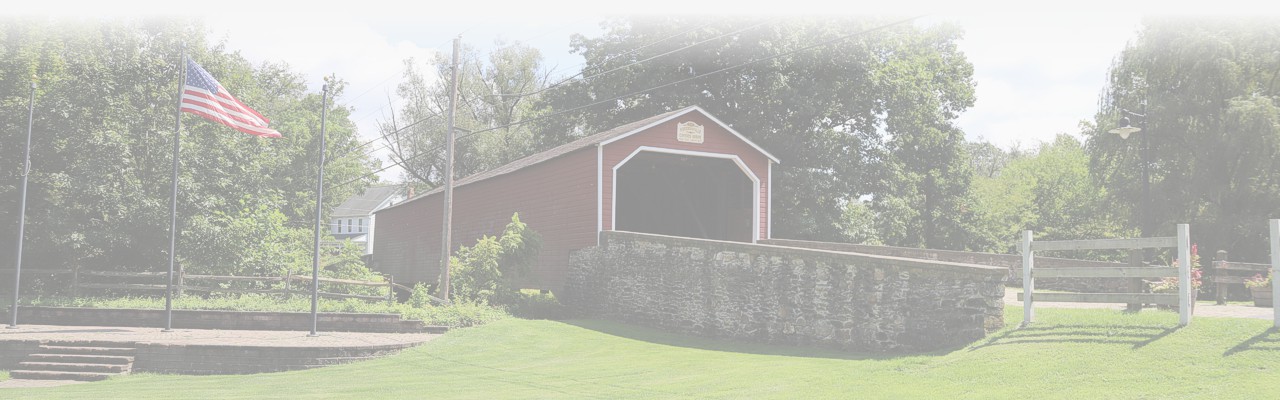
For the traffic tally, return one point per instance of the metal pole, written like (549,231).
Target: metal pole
(448,179)
(1275,265)
(1184,274)
(1028,281)
(22,206)
(173,201)
(315,258)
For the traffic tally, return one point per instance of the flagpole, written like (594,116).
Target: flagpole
(22,205)
(173,201)
(315,258)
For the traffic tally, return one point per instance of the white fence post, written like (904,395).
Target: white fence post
(1184,274)
(1028,283)
(1275,271)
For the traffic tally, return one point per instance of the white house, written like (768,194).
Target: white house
(354,220)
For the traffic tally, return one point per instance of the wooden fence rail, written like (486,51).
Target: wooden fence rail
(1183,271)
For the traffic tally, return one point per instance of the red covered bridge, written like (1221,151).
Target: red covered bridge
(682,173)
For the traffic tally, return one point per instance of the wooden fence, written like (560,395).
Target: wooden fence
(1232,273)
(156,282)
(1182,299)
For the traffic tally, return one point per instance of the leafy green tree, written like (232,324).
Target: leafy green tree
(1208,90)
(851,111)
(101,155)
(1049,191)
(493,94)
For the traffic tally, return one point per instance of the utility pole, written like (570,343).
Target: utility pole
(448,177)
(315,255)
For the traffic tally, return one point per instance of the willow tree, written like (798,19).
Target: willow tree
(1205,93)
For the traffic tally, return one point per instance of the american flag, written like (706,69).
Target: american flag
(204,96)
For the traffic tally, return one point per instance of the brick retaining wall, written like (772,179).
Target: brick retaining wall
(787,295)
(218,360)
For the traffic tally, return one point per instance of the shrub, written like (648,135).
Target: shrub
(1258,281)
(1170,285)
(486,272)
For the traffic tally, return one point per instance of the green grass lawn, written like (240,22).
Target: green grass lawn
(1067,354)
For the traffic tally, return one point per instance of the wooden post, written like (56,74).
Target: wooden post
(391,289)
(182,272)
(1219,272)
(1135,284)
(75,281)
(288,276)
(1028,281)
(1275,265)
(1184,275)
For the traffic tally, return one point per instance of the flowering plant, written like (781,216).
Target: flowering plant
(1170,285)
(1258,281)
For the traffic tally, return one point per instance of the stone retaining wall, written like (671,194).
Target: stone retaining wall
(238,320)
(789,295)
(1013,262)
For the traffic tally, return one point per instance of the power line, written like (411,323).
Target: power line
(543,117)
(584,78)
(598,74)
(384,136)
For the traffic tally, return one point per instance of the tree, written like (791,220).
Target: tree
(493,95)
(100,181)
(850,110)
(1211,130)
(1049,191)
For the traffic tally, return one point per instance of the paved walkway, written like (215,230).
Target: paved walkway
(1202,309)
(197,337)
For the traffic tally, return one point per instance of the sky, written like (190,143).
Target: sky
(1038,73)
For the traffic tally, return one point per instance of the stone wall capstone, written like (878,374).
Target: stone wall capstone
(785,295)
(1011,261)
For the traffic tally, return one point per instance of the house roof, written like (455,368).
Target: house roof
(366,203)
(600,138)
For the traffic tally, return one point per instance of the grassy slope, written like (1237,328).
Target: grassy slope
(1068,354)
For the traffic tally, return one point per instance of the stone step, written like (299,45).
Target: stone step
(80,359)
(88,343)
(59,375)
(74,367)
(95,351)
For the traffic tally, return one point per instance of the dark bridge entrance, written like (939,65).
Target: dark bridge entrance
(685,195)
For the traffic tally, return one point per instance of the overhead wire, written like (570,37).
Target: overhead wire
(613,99)
(566,80)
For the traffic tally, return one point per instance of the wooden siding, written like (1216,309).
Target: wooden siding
(716,139)
(557,198)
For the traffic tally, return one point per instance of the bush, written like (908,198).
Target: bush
(486,272)
(534,305)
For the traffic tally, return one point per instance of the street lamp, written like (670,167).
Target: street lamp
(1138,258)
(1126,129)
